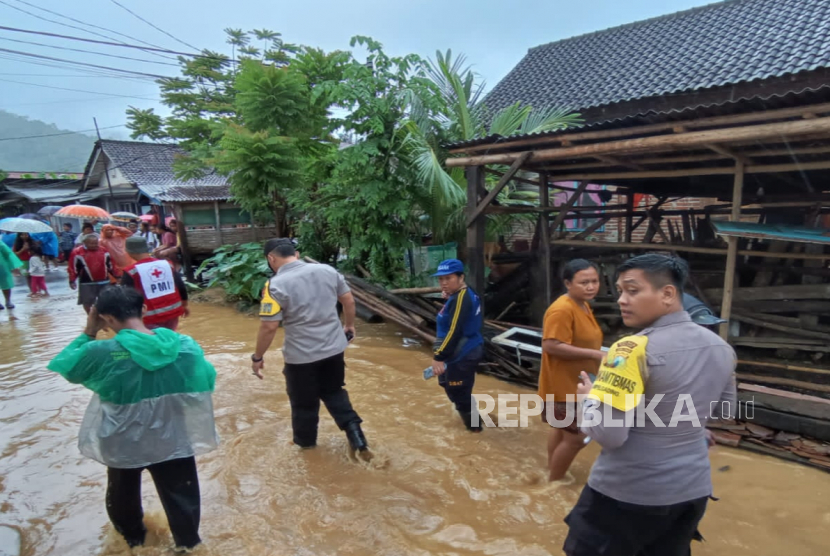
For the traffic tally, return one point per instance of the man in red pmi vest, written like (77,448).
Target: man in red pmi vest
(164,291)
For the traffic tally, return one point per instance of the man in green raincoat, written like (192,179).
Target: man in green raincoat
(152,409)
(9,263)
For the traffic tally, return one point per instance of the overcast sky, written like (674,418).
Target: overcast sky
(494,35)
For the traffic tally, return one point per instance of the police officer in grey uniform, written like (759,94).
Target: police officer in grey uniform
(303,298)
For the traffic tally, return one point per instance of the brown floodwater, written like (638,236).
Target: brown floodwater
(432,488)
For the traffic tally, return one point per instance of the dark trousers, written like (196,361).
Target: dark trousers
(602,526)
(459,378)
(177,484)
(309,383)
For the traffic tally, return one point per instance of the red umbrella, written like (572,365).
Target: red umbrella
(84,211)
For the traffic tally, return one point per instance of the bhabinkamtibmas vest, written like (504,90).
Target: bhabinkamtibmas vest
(154,279)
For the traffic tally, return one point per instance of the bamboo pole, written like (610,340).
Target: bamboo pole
(686,172)
(660,142)
(784,367)
(415,291)
(731,251)
(544,202)
(684,248)
(803,385)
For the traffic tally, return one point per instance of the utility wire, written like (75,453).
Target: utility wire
(128,10)
(39,56)
(59,134)
(120,44)
(87,24)
(57,22)
(91,52)
(74,90)
(62,66)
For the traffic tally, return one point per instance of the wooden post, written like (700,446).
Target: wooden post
(544,243)
(629,218)
(732,251)
(475,231)
(218,224)
(178,212)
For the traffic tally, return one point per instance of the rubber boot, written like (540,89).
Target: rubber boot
(356,439)
(467,417)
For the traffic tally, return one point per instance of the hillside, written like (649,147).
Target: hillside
(64,153)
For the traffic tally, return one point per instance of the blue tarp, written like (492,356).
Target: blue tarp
(772,231)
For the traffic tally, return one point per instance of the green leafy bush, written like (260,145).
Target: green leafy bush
(240,269)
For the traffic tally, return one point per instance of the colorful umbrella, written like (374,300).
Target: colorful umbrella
(147,217)
(49,210)
(22,225)
(123,216)
(84,211)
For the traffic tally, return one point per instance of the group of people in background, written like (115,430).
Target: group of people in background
(95,257)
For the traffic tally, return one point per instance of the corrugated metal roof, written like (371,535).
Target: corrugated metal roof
(721,44)
(770,231)
(186,193)
(45,194)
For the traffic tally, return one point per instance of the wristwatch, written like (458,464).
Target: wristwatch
(255,359)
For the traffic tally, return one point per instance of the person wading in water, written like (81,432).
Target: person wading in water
(459,344)
(164,290)
(303,297)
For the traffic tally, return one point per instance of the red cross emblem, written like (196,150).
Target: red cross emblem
(156,273)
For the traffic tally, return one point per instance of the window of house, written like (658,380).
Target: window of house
(128,207)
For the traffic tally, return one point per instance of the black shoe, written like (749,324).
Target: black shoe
(356,439)
(467,417)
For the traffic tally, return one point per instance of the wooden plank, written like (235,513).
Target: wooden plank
(784,366)
(782,393)
(731,252)
(814,306)
(818,291)
(475,232)
(505,179)
(805,426)
(814,410)
(662,142)
(415,291)
(629,217)
(800,384)
(398,302)
(781,328)
(218,222)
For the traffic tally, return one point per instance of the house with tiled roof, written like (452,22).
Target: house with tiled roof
(710,57)
(141,178)
(730,57)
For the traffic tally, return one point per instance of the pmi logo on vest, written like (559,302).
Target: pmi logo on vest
(515,410)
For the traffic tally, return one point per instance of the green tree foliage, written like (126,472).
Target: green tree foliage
(341,152)
(240,269)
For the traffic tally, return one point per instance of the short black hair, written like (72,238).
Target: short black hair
(281,246)
(87,225)
(660,270)
(36,248)
(576,265)
(65,224)
(120,302)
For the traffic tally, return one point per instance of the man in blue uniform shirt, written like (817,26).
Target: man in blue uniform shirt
(459,347)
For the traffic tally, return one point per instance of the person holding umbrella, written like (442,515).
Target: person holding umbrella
(23,249)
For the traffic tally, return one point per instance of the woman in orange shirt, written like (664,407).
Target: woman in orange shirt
(571,343)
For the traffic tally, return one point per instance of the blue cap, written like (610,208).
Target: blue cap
(450,266)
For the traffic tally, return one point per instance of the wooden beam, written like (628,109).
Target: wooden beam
(529,182)
(475,233)
(218,223)
(505,179)
(732,251)
(676,127)
(617,162)
(544,201)
(593,227)
(564,209)
(608,177)
(662,142)
(743,159)
(629,217)
(685,249)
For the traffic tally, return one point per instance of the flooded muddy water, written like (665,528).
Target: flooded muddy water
(432,488)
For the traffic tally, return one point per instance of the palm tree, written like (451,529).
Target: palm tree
(453,114)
